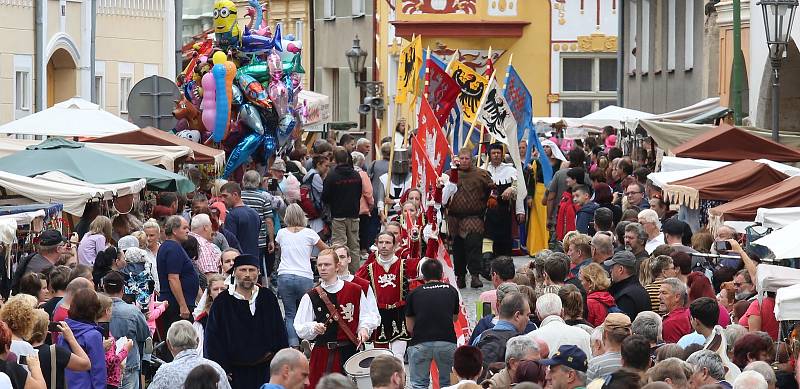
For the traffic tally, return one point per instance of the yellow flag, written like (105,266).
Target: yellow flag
(408,71)
(473,86)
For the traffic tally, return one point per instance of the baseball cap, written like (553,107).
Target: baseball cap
(570,356)
(624,258)
(126,242)
(51,238)
(616,320)
(278,165)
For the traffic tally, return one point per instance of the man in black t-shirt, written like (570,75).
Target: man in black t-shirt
(436,304)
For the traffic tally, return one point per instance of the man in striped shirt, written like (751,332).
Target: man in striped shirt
(261,203)
(208,254)
(616,328)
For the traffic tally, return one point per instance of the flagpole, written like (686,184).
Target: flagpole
(491,137)
(427,72)
(452,59)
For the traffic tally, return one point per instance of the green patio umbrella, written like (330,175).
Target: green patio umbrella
(83,163)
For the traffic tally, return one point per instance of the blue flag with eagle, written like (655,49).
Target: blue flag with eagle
(520,103)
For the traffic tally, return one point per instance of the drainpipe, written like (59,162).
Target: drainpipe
(375,71)
(93,52)
(312,22)
(39,55)
(621,53)
(178,36)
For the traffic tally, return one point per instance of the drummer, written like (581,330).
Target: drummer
(330,314)
(389,276)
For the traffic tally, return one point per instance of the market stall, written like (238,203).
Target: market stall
(165,156)
(783,242)
(697,194)
(75,117)
(778,195)
(201,154)
(669,135)
(728,143)
(93,166)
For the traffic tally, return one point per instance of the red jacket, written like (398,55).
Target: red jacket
(597,305)
(565,221)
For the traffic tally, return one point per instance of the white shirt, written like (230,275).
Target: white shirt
(296,251)
(459,383)
(503,174)
(372,302)
(251,302)
(651,244)
(556,333)
(304,320)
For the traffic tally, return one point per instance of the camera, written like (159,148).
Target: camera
(722,246)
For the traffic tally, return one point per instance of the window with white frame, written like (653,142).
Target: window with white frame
(329,9)
(125,86)
(588,84)
(23,86)
(298,30)
(100,83)
(359,8)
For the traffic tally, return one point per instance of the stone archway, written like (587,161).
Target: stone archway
(62,77)
(789,93)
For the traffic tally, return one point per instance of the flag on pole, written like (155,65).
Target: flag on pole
(496,116)
(521,105)
(461,325)
(441,91)
(472,85)
(423,174)
(408,72)
(432,138)
(489,65)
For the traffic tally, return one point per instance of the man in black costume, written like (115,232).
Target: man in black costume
(245,327)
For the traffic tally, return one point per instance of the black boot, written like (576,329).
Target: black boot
(486,266)
(476,282)
(461,282)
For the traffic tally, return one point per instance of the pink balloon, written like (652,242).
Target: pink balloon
(279,96)
(209,103)
(275,64)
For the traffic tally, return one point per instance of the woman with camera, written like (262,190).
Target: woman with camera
(73,358)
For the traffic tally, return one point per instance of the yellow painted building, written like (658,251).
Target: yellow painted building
(521,27)
(134,39)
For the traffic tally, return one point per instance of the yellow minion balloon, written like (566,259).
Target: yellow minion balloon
(226,29)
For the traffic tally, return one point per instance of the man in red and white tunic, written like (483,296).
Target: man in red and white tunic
(315,321)
(389,276)
(343,272)
(403,248)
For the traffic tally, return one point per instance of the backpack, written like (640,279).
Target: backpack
(22,266)
(614,309)
(310,200)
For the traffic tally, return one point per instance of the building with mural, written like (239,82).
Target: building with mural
(548,39)
(41,66)
(583,57)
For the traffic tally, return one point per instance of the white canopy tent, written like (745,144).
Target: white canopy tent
(150,154)
(783,243)
(57,188)
(777,217)
(787,303)
(73,117)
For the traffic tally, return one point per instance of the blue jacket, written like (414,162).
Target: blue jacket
(91,340)
(129,321)
(585,216)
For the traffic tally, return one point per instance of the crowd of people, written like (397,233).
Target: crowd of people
(279,276)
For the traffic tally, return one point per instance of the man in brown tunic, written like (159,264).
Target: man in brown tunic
(466,196)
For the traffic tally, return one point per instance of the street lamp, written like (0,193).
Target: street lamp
(356,59)
(778,18)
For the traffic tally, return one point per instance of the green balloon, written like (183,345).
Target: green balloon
(259,71)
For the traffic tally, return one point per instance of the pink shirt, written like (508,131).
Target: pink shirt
(768,322)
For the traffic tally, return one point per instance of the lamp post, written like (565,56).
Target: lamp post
(778,18)
(356,59)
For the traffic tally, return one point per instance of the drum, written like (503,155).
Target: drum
(357,366)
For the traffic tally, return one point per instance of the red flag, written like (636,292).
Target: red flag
(489,67)
(441,91)
(461,325)
(432,138)
(423,174)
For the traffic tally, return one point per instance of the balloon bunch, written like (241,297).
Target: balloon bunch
(242,94)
